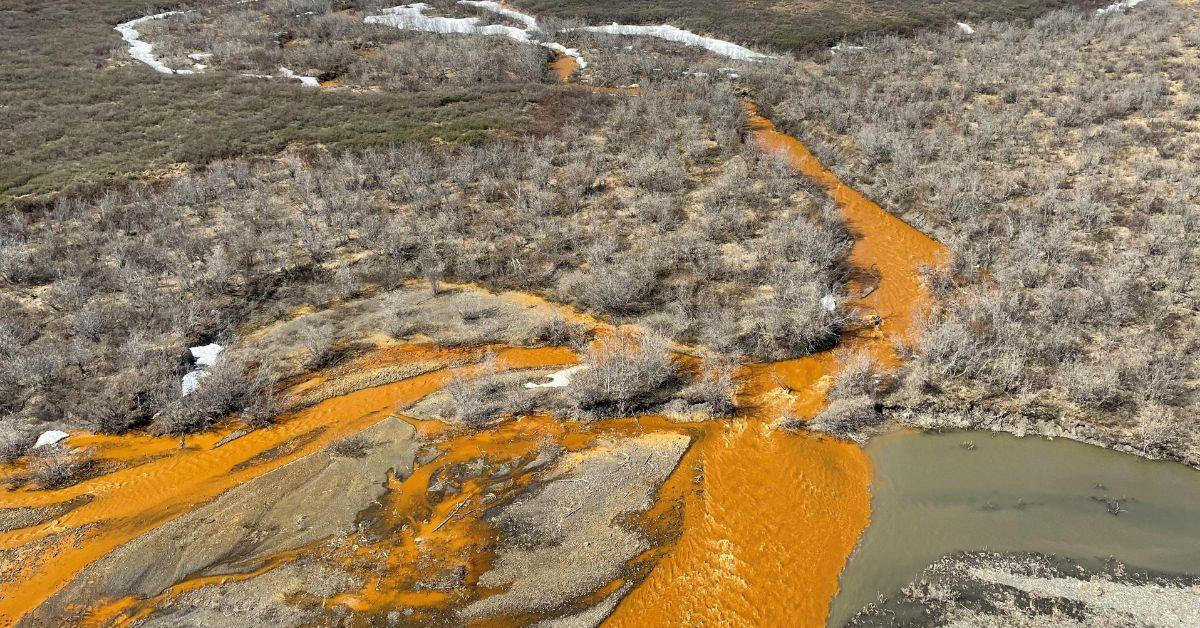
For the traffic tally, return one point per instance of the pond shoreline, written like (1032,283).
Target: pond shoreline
(1020,425)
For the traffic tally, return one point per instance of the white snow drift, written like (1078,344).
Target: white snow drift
(310,81)
(143,50)
(529,21)
(412,17)
(558,379)
(667,32)
(50,437)
(205,356)
(1119,6)
(845,48)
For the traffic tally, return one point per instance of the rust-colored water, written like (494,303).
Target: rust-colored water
(564,67)
(167,481)
(778,514)
(764,536)
(768,516)
(882,243)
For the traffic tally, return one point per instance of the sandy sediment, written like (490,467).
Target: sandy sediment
(560,543)
(1023,589)
(314,497)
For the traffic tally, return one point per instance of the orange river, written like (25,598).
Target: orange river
(769,516)
(777,513)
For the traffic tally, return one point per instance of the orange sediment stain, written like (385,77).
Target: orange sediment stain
(171,480)
(882,242)
(765,532)
(564,67)
(776,514)
(428,524)
(416,534)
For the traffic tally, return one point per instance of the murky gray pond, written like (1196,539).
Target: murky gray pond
(934,494)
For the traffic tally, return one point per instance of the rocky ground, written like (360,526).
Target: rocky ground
(988,589)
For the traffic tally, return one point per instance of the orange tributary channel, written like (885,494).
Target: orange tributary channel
(160,480)
(563,67)
(776,514)
(768,518)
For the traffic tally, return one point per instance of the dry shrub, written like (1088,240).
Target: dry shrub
(847,418)
(483,395)
(625,373)
(715,387)
(13,442)
(56,466)
(354,446)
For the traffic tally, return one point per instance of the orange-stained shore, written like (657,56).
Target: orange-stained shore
(165,481)
(769,517)
(776,515)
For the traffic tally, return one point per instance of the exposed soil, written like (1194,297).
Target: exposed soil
(314,497)
(1035,590)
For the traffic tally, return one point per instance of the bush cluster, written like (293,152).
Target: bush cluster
(1056,160)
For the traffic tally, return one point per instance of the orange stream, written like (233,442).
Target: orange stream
(764,536)
(768,516)
(165,481)
(777,514)
(563,67)
(416,534)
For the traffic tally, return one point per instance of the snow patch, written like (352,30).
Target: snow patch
(412,17)
(667,32)
(966,28)
(558,379)
(846,48)
(143,50)
(191,381)
(1118,6)
(50,437)
(205,356)
(529,21)
(310,81)
(570,52)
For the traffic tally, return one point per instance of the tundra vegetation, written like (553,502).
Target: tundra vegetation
(1056,160)
(649,210)
(79,114)
(798,26)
